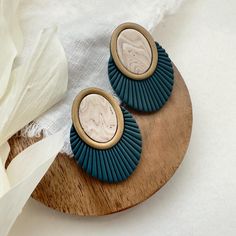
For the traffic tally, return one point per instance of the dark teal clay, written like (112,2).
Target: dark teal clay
(146,95)
(111,165)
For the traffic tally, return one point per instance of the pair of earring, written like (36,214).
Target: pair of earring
(105,138)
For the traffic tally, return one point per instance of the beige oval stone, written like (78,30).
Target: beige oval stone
(134,51)
(97,118)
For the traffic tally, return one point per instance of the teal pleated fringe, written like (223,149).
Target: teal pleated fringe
(111,165)
(144,95)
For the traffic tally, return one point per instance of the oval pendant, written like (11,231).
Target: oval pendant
(140,71)
(105,139)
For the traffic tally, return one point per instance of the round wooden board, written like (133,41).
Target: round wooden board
(166,134)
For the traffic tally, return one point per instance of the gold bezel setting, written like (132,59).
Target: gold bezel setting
(121,67)
(77,124)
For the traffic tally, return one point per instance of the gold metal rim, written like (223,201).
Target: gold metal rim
(121,67)
(78,127)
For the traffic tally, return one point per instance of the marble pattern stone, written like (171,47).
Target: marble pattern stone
(134,51)
(97,118)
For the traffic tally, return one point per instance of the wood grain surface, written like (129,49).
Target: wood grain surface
(166,136)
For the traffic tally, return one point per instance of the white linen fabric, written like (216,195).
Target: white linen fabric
(85,28)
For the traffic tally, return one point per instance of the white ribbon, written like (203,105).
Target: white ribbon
(26,91)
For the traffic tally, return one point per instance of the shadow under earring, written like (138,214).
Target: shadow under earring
(105,138)
(139,69)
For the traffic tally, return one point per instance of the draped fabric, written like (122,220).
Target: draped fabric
(85,28)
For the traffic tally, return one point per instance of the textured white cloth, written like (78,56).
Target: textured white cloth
(85,28)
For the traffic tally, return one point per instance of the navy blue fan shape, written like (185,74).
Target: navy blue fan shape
(146,95)
(116,163)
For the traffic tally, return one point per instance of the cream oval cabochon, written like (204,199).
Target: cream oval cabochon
(97,118)
(134,51)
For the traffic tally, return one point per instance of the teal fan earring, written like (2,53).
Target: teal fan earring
(105,138)
(139,69)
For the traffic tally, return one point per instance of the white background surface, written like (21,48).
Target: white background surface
(201,197)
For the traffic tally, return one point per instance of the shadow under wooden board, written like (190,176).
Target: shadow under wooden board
(166,134)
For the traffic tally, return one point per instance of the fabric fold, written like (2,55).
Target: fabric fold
(34,86)
(27,91)
(24,173)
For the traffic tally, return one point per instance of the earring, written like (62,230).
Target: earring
(105,138)
(139,69)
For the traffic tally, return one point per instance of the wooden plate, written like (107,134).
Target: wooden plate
(166,136)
